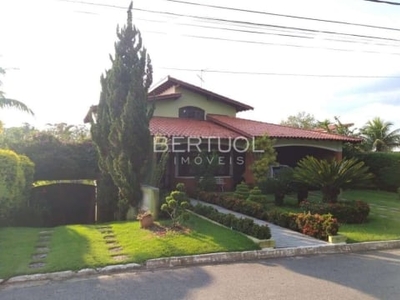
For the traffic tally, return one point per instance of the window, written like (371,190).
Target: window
(191,112)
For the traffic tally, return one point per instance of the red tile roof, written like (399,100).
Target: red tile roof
(188,128)
(255,128)
(170,81)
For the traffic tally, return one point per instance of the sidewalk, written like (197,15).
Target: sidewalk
(284,238)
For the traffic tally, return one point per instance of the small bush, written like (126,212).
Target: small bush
(242,191)
(315,225)
(175,205)
(318,226)
(244,225)
(350,212)
(242,206)
(257,196)
(283,219)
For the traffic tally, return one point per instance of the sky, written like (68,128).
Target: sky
(55,51)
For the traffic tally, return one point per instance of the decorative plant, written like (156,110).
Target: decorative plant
(331,175)
(175,205)
(262,160)
(281,185)
(257,196)
(242,191)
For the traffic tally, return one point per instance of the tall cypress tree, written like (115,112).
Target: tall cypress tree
(121,131)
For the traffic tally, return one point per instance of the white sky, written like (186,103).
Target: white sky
(59,50)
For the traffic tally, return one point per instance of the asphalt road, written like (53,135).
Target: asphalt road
(369,275)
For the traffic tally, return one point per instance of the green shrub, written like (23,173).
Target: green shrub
(242,191)
(315,225)
(175,205)
(318,226)
(244,225)
(350,212)
(398,192)
(283,219)
(385,167)
(257,196)
(267,186)
(16,173)
(230,202)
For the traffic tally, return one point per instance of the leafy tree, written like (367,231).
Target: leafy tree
(331,176)
(121,131)
(11,103)
(379,137)
(262,161)
(302,120)
(338,127)
(17,138)
(69,133)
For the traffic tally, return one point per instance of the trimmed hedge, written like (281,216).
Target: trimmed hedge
(16,177)
(350,212)
(239,205)
(244,225)
(315,225)
(385,167)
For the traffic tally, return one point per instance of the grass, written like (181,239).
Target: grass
(75,247)
(383,221)
(16,247)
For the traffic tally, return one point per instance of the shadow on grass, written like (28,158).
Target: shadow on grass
(76,246)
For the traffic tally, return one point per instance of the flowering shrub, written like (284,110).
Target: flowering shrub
(318,226)
(351,212)
(315,225)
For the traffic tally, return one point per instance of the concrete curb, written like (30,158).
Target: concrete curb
(70,274)
(211,258)
(227,257)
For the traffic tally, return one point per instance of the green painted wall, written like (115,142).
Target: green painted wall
(170,108)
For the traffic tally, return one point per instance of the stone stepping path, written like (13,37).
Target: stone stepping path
(42,248)
(115,249)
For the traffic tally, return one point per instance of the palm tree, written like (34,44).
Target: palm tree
(331,176)
(378,135)
(11,103)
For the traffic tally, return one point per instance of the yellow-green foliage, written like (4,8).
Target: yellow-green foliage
(263,160)
(16,177)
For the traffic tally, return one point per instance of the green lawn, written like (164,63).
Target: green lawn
(383,220)
(74,247)
(16,248)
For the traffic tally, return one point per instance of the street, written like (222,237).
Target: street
(369,275)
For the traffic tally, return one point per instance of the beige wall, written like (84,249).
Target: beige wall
(170,108)
(328,145)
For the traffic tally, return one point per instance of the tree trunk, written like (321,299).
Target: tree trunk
(330,194)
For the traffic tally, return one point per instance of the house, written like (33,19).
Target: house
(189,120)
